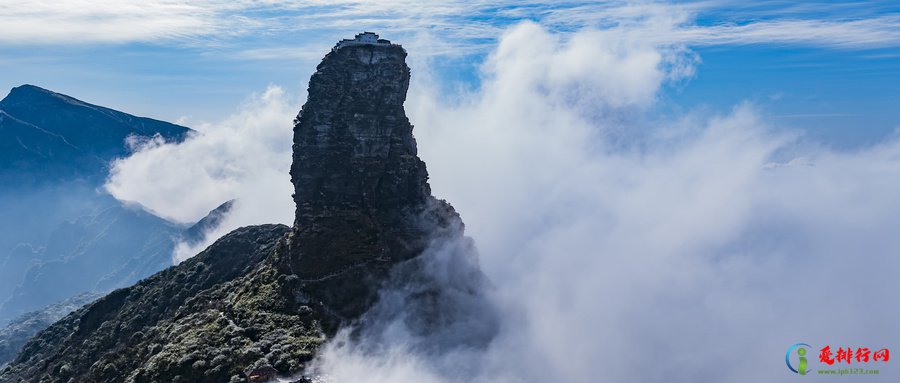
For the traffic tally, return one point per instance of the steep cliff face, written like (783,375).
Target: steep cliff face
(363,200)
(353,144)
(261,300)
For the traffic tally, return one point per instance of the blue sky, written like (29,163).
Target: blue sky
(830,68)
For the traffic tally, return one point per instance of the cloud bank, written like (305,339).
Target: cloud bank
(245,157)
(624,248)
(620,246)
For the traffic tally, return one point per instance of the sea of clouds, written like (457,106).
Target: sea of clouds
(619,245)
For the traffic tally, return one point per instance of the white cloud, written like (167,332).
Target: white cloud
(624,249)
(246,157)
(867,33)
(463,26)
(102,21)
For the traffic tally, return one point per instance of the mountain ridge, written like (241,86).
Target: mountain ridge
(60,234)
(37,136)
(262,300)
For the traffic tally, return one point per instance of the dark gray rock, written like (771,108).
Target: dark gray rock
(363,200)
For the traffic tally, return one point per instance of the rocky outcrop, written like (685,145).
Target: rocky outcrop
(363,200)
(260,301)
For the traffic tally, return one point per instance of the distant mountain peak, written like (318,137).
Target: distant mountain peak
(33,94)
(27,89)
(44,134)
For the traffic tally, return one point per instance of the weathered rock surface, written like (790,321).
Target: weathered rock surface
(363,200)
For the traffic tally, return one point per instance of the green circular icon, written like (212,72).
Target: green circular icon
(801,351)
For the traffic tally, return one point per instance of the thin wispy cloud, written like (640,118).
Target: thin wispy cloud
(60,22)
(876,32)
(463,27)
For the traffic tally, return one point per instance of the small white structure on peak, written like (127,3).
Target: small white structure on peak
(365,38)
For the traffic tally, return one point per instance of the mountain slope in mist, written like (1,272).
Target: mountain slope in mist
(21,329)
(262,300)
(60,235)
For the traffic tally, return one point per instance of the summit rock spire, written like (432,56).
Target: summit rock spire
(362,194)
(261,300)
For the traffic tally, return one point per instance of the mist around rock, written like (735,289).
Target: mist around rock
(628,246)
(260,301)
(613,235)
(244,158)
